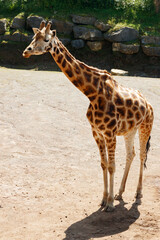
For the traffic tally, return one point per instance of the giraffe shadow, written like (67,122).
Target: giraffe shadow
(102,224)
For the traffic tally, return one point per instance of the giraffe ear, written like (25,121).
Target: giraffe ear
(53,33)
(35,30)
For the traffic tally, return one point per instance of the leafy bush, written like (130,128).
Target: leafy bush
(29,5)
(136,4)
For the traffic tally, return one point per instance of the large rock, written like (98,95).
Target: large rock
(151,45)
(65,41)
(151,51)
(62,26)
(95,46)
(125,48)
(78,43)
(18,22)
(150,40)
(87,33)
(122,35)
(83,19)
(17,37)
(34,21)
(104,27)
(3,23)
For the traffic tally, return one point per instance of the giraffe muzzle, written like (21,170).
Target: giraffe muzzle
(26,54)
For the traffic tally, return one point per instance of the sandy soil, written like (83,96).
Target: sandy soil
(50,175)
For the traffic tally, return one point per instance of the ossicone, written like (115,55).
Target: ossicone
(48,27)
(42,25)
(53,33)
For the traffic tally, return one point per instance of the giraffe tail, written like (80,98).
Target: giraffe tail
(147,149)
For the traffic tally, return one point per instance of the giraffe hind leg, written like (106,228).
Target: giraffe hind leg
(147,149)
(144,140)
(130,154)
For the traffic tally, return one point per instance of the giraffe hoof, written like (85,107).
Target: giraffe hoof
(109,208)
(103,203)
(118,197)
(138,195)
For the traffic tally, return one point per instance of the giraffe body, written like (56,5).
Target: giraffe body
(114,110)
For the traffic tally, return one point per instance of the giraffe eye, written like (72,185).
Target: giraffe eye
(45,40)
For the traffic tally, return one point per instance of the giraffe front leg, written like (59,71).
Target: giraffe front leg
(105,180)
(102,149)
(111,145)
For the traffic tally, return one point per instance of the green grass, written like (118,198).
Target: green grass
(148,23)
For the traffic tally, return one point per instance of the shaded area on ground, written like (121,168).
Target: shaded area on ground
(137,64)
(99,224)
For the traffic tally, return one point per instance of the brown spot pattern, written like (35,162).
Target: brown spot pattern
(59,58)
(111,124)
(110,109)
(95,81)
(109,92)
(129,114)
(114,130)
(107,133)
(87,76)
(80,81)
(106,119)
(142,108)
(92,98)
(90,116)
(57,51)
(64,63)
(104,77)
(89,90)
(75,83)
(129,102)
(136,103)
(97,121)
(61,49)
(100,90)
(77,69)
(94,134)
(98,114)
(121,111)
(102,103)
(69,72)
(102,127)
(138,116)
(118,100)
(131,124)
(134,108)
(68,58)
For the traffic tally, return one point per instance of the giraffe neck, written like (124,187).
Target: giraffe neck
(88,80)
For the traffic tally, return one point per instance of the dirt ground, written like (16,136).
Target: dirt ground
(50,176)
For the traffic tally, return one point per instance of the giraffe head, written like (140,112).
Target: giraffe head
(42,40)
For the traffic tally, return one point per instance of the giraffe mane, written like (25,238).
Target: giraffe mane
(94,69)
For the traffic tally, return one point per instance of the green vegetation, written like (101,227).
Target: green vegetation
(139,14)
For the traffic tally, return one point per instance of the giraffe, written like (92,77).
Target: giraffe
(114,110)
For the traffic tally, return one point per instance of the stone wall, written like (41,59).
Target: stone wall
(81,31)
